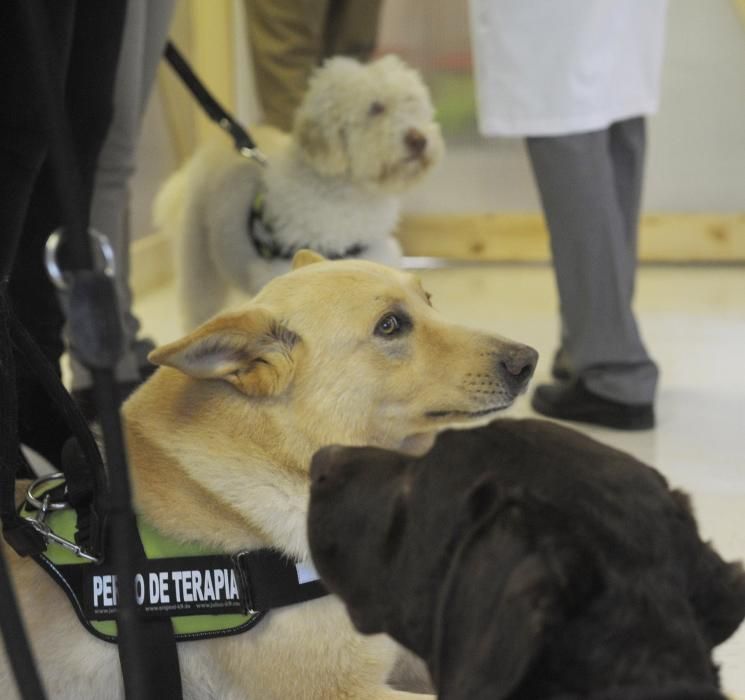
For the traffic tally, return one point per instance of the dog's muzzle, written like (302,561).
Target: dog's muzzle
(516,366)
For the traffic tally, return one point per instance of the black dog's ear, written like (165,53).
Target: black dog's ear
(717,588)
(486,495)
(496,602)
(482,498)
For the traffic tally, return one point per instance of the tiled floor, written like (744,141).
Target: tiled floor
(693,320)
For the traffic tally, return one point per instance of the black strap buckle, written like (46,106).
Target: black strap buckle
(240,563)
(270,579)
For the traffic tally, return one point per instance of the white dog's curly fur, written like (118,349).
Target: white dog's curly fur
(363,134)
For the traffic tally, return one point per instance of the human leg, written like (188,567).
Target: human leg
(594,266)
(145,32)
(351,28)
(80,45)
(628,150)
(28,213)
(627,140)
(286,44)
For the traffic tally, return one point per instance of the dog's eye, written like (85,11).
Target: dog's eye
(388,325)
(376,108)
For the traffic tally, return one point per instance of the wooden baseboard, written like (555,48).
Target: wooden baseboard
(663,238)
(667,238)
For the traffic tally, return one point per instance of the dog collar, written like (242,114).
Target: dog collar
(206,594)
(261,235)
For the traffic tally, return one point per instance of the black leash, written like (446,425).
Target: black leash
(16,643)
(147,648)
(259,233)
(242,140)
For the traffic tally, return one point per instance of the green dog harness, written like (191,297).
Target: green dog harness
(204,592)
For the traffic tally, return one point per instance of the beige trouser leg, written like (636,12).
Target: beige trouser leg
(289,38)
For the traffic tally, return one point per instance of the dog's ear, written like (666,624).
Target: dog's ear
(490,623)
(717,587)
(250,349)
(511,581)
(306,257)
(322,147)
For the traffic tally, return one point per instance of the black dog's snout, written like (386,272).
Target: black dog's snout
(518,364)
(323,466)
(415,141)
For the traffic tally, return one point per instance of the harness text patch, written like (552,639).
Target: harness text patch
(167,586)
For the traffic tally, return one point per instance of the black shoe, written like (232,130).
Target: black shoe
(574,402)
(559,370)
(561,374)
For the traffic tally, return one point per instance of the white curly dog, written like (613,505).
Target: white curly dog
(362,135)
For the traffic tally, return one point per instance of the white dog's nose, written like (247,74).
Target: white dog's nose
(415,141)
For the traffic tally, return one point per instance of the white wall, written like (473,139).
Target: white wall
(696,160)
(697,141)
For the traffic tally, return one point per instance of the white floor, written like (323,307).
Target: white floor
(693,320)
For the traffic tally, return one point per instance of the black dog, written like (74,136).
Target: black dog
(526,561)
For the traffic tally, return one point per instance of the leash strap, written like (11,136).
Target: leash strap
(259,232)
(242,141)
(147,650)
(16,644)
(81,458)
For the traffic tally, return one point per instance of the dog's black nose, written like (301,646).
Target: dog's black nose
(415,141)
(518,364)
(323,465)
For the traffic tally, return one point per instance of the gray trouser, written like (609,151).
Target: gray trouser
(590,188)
(145,31)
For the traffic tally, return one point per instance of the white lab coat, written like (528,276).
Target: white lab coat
(553,67)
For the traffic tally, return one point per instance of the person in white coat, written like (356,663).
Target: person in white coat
(577,78)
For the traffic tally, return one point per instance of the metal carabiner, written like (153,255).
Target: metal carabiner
(253,154)
(45,505)
(42,508)
(52,246)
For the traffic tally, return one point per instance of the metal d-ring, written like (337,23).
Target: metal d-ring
(52,246)
(45,504)
(253,154)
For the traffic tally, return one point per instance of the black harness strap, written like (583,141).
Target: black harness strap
(245,583)
(261,235)
(81,458)
(270,580)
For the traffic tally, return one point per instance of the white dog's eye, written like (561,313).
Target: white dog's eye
(388,325)
(376,108)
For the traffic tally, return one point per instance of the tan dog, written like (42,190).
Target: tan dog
(220,441)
